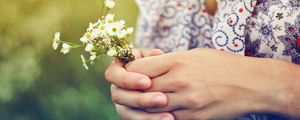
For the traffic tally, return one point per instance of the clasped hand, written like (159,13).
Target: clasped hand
(199,84)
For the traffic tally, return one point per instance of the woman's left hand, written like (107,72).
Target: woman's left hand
(211,84)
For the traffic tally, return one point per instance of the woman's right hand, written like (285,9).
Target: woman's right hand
(131,85)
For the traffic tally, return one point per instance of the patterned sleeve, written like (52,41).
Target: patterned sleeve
(173,25)
(274,31)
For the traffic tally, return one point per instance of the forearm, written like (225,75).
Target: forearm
(286,98)
(294,103)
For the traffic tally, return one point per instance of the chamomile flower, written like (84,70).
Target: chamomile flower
(109,18)
(84,62)
(89,47)
(114,28)
(110,3)
(95,34)
(91,27)
(106,36)
(111,52)
(65,48)
(85,38)
(93,57)
(56,40)
(130,30)
(122,34)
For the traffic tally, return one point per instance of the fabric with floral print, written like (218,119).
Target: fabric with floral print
(256,28)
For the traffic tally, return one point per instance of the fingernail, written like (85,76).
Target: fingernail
(165,118)
(144,82)
(159,100)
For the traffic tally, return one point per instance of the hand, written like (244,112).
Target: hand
(128,84)
(209,84)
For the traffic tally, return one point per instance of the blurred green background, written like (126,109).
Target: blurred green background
(38,83)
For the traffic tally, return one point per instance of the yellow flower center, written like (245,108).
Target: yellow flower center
(87,35)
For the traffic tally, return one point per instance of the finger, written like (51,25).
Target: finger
(132,114)
(137,99)
(141,53)
(168,82)
(151,52)
(137,53)
(118,76)
(151,66)
(174,103)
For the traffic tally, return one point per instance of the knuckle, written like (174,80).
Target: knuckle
(108,72)
(115,98)
(192,100)
(181,84)
(131,66)
(114,95)
(178,62)
(141,102)
(122,113)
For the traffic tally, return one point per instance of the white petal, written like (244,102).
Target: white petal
(122,34)
(65,51)
(57,35)
(84,39)
(91,27)
(89,47)
(130,30)
(56,40)
(66,46)
(55,45)
(93,57)
(110,3)
(109,18)
(84,62)
(111,52)
(85,66)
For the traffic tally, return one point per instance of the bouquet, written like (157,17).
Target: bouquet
(106,36)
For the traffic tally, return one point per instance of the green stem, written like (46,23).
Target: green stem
(73,44)
(77,46)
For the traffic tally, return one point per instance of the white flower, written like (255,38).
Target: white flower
(109,18)
(99,22)
(85,38)
(111,52)
(84,62)
(110,3)
(93,57)
(89,47)
(114,28)
(130,30)
(122,34)
(65,48)
(56,40)
(95,34)
(102,27)
(91,27)
(131,46)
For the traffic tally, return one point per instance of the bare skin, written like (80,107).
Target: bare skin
(212,85)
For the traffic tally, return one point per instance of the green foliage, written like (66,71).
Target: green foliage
(37,83)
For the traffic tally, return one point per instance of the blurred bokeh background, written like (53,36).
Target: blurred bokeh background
(38,83)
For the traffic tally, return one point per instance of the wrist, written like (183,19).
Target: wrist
(281,95)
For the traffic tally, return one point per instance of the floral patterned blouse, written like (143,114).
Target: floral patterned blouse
(257,28)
